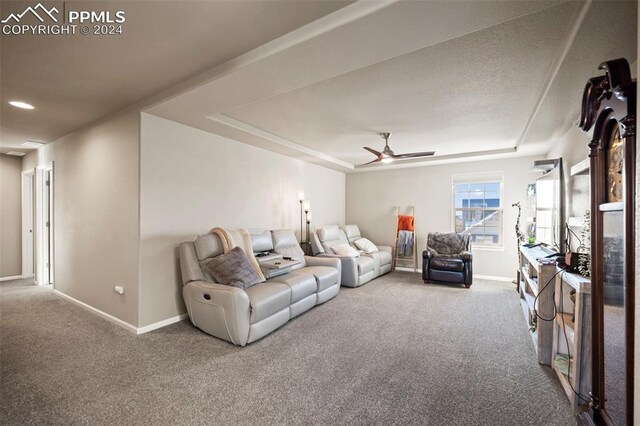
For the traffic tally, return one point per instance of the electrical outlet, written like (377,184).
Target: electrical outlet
(119,289)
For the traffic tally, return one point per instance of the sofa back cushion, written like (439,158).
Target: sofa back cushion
(352,232)
(189,265)
(231,268)
(331,235)
(261,241)
(286,244)
(208,245)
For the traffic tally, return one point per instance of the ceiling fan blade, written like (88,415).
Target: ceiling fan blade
(415,154)
(373,151)
(370,162)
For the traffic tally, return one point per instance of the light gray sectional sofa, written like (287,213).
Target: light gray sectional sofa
(242,316)
(355,270)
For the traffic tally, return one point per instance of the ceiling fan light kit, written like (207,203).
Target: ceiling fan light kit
(388,156)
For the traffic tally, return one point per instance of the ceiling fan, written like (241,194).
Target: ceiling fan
(387,155)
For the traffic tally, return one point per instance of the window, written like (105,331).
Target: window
(478,209)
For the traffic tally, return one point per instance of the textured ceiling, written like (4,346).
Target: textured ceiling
(471,93)
(468,79)
(74,80)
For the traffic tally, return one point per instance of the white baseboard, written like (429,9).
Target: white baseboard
(118,321)
(402,268)
(15,277)
(104,315)
(160,324)
(492,278)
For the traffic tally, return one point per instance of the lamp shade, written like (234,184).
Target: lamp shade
(300,196)
(306,205)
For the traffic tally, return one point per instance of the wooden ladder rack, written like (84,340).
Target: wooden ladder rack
(414,258)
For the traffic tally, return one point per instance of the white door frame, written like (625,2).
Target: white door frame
(28,236)
(44,224)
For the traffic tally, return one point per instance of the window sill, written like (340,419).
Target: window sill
(487,248)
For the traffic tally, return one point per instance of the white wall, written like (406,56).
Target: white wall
(372,198)
(95,213)
(10,216)
(192,181)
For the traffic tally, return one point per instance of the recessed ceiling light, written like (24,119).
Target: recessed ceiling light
(20,104)
(16,153)
(31,144)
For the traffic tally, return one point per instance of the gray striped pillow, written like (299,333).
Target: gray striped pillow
(232,268)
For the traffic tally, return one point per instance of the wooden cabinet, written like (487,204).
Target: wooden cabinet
(571,349)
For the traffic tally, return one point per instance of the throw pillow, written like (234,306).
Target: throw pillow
(293,251)
(232,268)
(405,223)
(366,245)
(345,250)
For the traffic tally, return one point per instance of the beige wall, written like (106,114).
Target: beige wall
(191,181)
(372,198)
(10,216)
(96,213)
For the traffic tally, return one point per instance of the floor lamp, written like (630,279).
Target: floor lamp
(301,201)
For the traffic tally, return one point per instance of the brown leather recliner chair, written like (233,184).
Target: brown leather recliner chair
(447,259)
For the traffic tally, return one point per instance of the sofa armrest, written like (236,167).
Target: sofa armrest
(388,249)
(220,310)
(349,266)
(324,261)
(466,255)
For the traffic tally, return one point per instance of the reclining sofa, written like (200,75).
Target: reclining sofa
(356,271)
(242,316)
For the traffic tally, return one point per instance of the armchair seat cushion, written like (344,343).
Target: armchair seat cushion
(447,264)
(325,276)
(266,299)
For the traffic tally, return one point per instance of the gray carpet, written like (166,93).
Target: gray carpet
(391,352)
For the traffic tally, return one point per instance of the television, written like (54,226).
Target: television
(549,207)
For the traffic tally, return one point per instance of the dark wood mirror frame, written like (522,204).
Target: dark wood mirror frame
(609,104)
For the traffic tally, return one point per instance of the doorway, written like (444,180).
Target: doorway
(44,224)
(28,180)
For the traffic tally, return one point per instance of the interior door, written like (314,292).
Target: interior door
(28,233)
(46,205)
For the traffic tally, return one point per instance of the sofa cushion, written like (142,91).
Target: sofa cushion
(261,242)
(365,245)
(331,235)
(352,232)
(266,299)
(301,284)
(232,268)
(365,264)
(208,245)
(345,250)
(447,264)
(325,276)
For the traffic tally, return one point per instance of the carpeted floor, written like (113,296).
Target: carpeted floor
(391,352)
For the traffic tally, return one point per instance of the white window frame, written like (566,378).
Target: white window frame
(474,178)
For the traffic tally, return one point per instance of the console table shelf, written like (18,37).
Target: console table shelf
(572,337)
(536,296)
